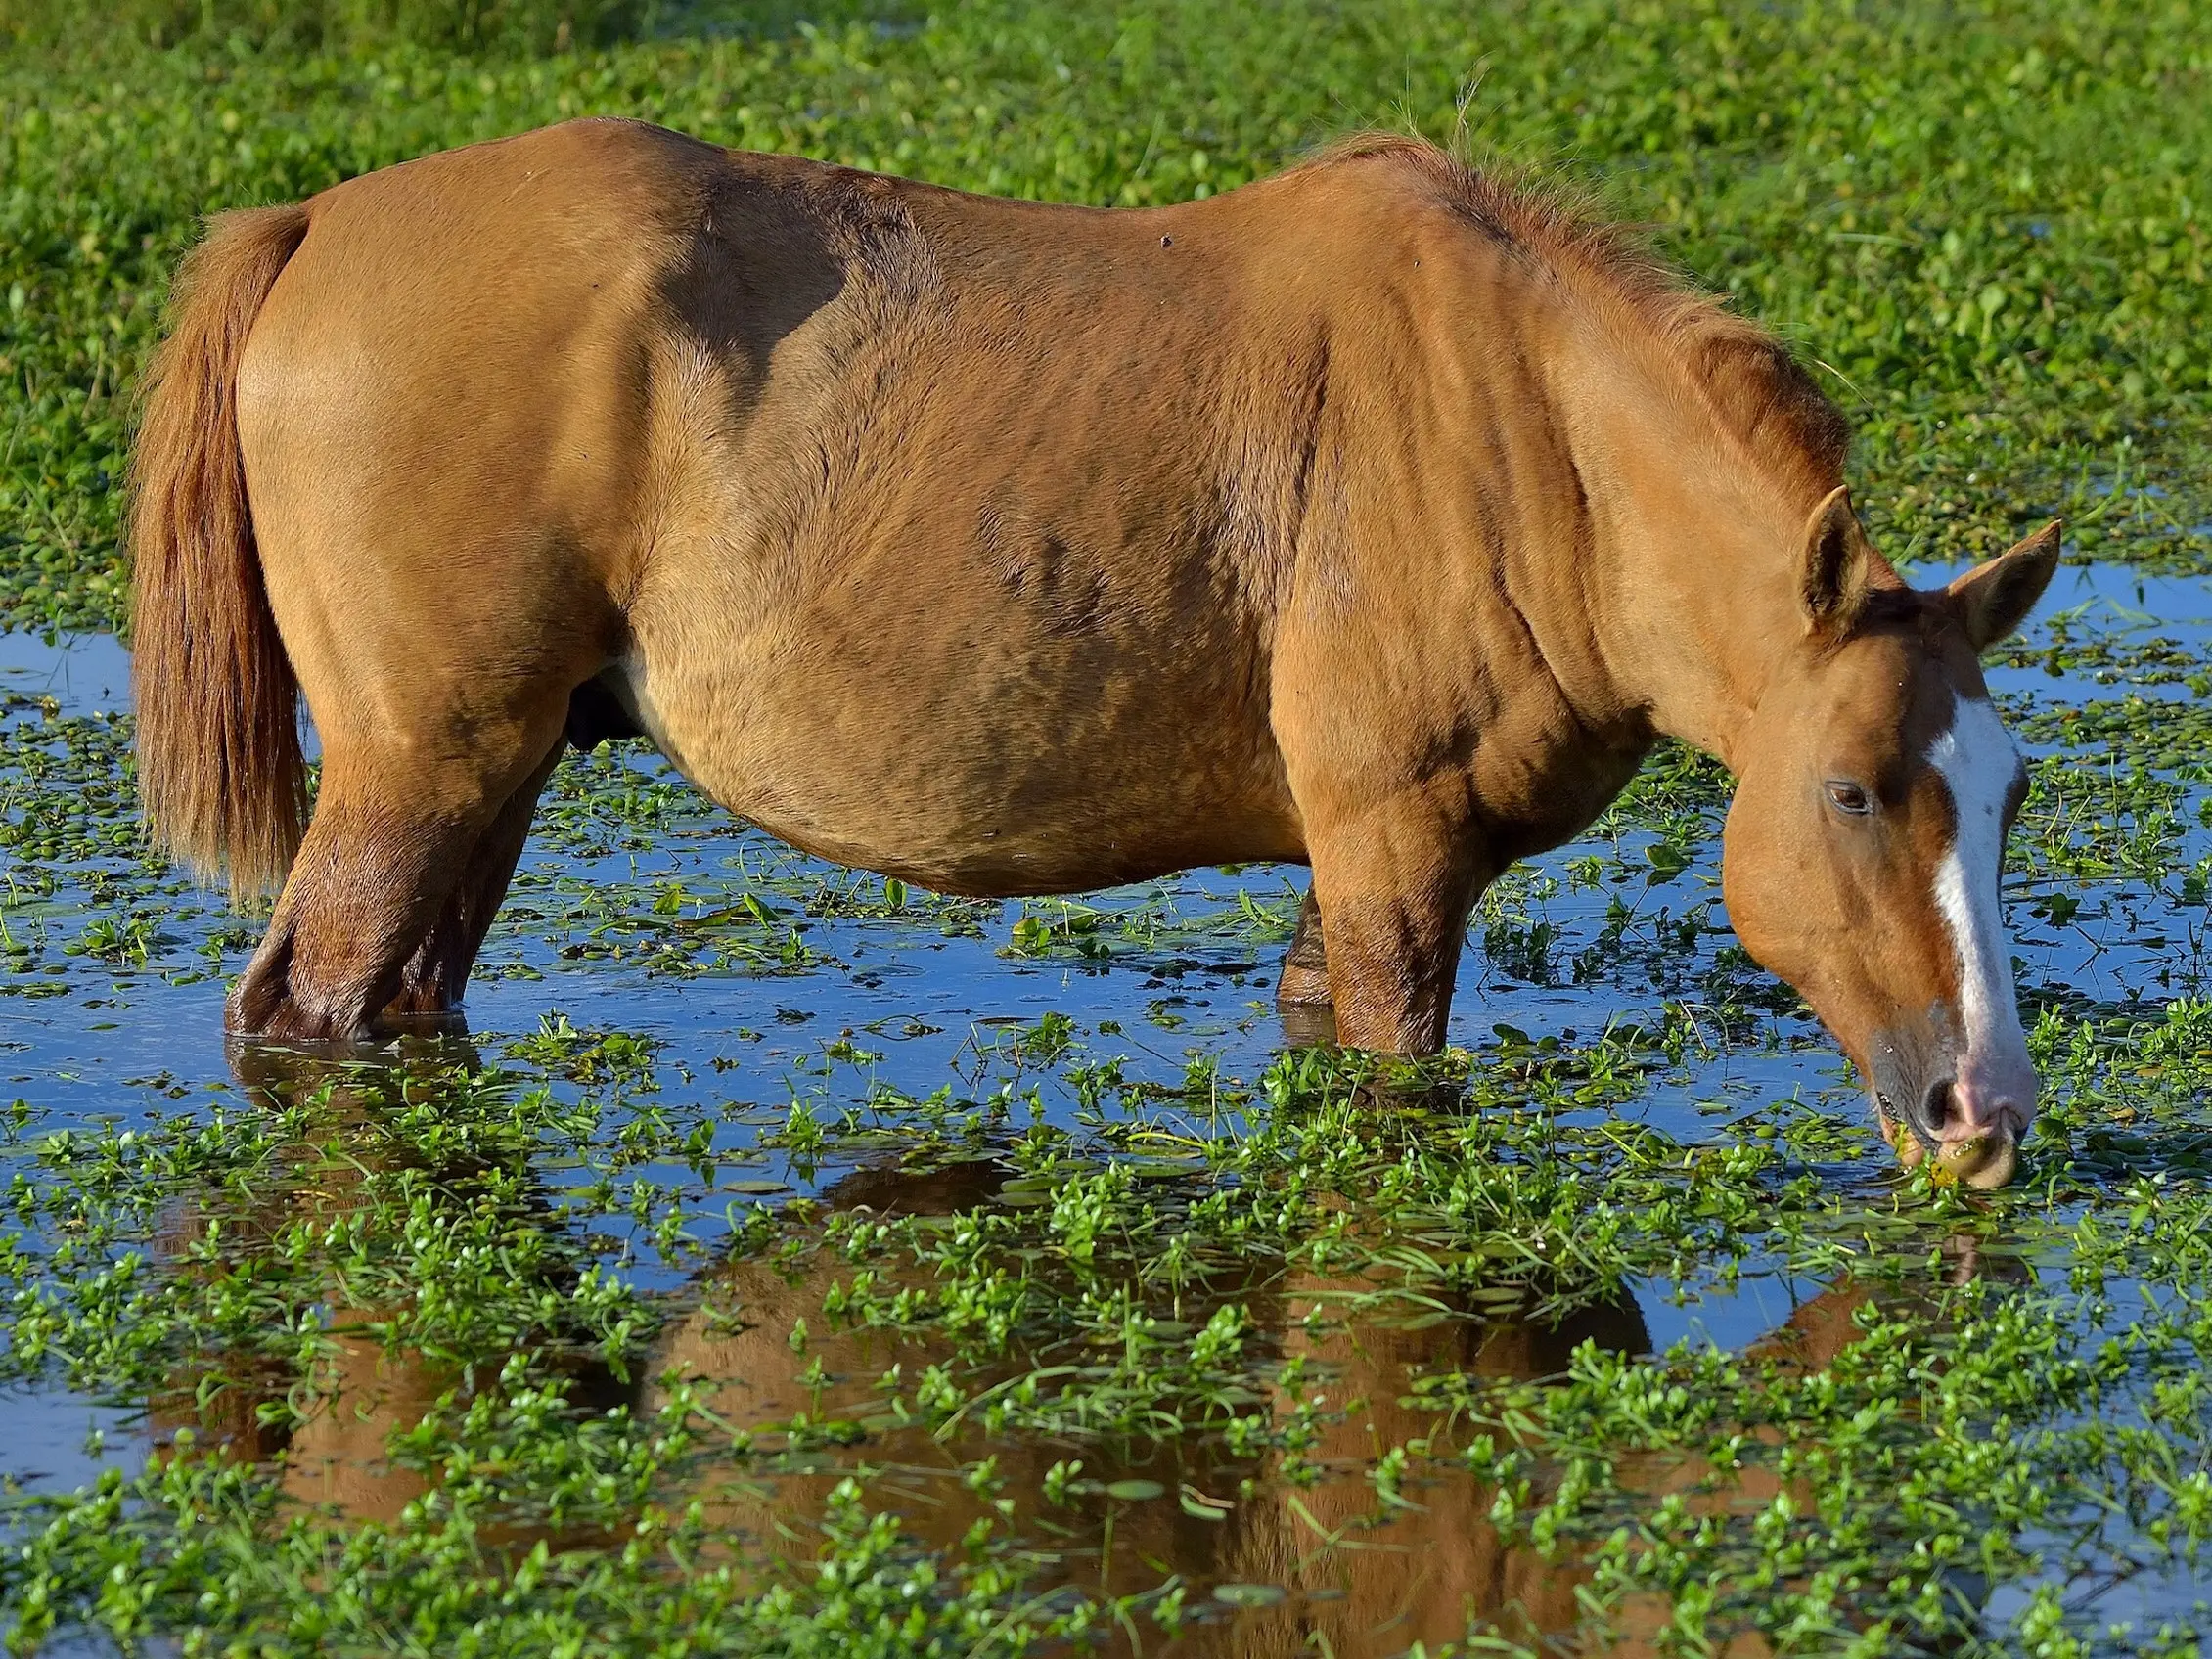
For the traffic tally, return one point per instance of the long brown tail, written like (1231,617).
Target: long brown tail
(220,772)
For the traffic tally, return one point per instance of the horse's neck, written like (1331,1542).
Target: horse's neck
(1692,549)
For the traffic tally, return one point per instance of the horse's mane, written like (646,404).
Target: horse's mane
(1746,375)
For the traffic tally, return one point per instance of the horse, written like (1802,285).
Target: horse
(1378,516)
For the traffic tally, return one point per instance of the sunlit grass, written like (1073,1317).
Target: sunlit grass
(751,1332)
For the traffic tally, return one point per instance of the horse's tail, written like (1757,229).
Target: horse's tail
(220,772)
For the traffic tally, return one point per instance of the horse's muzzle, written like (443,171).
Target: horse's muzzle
(1967,1118)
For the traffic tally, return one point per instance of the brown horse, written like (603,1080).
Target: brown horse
(1373,515)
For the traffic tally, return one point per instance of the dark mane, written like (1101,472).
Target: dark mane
(1747,377)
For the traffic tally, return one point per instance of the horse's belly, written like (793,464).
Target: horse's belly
(964,793)
(971,614)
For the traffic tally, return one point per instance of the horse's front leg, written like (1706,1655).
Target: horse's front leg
(1391,892)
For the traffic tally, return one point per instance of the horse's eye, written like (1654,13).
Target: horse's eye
(1846,797)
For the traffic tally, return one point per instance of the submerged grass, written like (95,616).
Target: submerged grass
(417,1392)
(599,1338)
(800,1263)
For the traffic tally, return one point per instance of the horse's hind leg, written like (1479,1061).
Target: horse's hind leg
(433,978)
(397,824)
(432,982)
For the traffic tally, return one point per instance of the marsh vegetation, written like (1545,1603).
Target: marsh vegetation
(789,1262)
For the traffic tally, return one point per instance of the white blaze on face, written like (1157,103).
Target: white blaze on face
(1978,761)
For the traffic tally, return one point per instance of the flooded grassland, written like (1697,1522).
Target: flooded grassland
(787,1261)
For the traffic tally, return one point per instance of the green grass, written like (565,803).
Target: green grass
(1989,220)
(43,28)
(646,1341)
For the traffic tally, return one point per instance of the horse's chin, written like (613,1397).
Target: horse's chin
(1985,1163)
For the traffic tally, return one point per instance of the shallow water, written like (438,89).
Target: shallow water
(774,1053)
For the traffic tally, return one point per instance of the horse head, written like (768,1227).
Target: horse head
(1864,847)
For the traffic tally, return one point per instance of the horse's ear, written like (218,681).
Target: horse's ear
(1994,599)
(1838,567)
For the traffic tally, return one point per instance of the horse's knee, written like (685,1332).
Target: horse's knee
(1394,929)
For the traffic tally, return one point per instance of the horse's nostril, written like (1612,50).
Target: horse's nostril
(1936,1106)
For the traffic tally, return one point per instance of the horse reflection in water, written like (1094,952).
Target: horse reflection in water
(331,1448)
(1352,1574)
(1366,1589)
